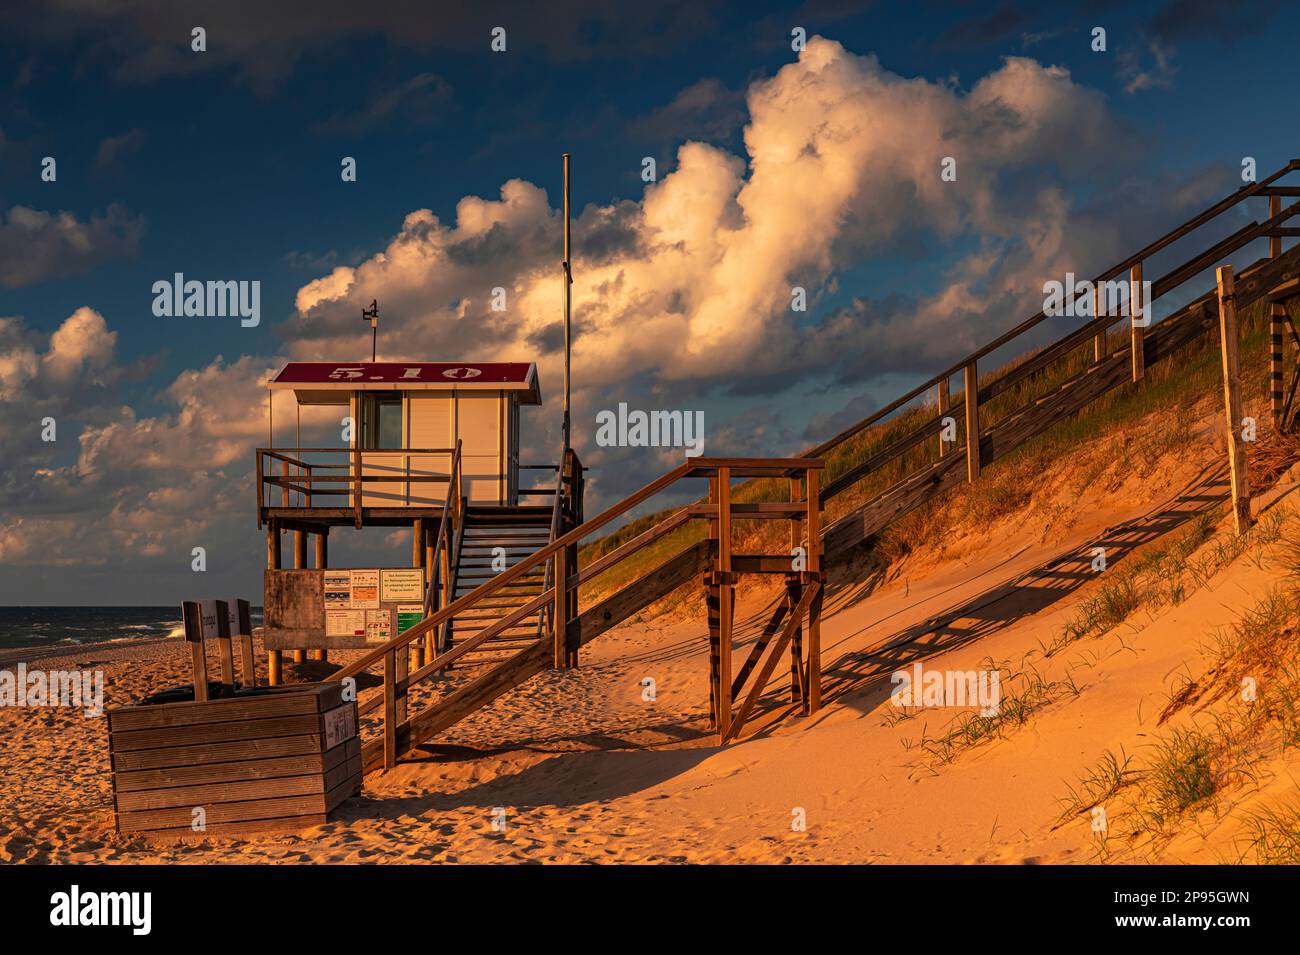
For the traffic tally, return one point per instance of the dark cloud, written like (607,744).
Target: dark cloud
(143,40)
(1187,19)
(36,246)
(705,110)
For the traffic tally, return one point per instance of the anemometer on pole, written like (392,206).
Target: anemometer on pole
(372,313)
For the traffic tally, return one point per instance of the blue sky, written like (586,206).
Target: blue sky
(225,164)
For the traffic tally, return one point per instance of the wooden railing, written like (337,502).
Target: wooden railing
(311,480)
(453,511)
(1143,346)
(399,734)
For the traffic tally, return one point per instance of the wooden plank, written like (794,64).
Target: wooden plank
(209,794)
(812,683)
(1229,341)
(199,734)
(214,711)
(770,629)
(236,771)
(236,829)
(218,813)
(204,754)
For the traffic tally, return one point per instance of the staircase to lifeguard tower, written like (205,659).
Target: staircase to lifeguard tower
(492,541)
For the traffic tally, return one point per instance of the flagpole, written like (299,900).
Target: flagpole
(568,284)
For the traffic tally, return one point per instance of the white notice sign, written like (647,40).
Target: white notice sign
(401,585)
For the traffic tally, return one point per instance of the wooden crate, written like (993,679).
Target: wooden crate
(276,761)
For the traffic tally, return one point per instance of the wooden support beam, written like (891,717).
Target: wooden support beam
(812,683)
(1277,317)
(770,630)
(417,560)
(390,710)
(1099,340)
(299,562)
(322,562)
(970,377)
(274,660)
(560,609)
(726,598)
(1138,320)
(1229,347)
(793,587)
(945,404)
(765,674)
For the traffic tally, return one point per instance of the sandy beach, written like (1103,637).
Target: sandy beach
(584,767)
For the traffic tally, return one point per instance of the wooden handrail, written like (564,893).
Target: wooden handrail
(435,571)
(1242,194)
(571,537)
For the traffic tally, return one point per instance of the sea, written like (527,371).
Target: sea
(50,626)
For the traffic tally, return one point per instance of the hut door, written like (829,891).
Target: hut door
(381,432)
(478,419)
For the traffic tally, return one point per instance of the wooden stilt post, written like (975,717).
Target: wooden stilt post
(430,538)
(559,608)
(322,562)
(712,605)
(1099,340)
(1230,346)
(274,661)
(417,560)
(792,588)
(970,377)
(813,701)
(1276,317)
(726,598)
(1138,320)
(299,563)
(945,404)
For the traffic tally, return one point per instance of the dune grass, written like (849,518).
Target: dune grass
(1175,385)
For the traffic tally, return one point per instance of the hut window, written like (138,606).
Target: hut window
(381,417)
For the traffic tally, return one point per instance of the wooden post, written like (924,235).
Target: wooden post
(792,586)
(945,404)
(559,607)
(970,377)
(1137,314)
(299,562)
(322,562)
(1276,316)
(726,597)
(390,710)
(417,560)
(813,701)
(1230,346)
(1098,340)
(711,604)
(573,639)
(274,660)
(241,628)
(430,536)
(191,618)
(217,614)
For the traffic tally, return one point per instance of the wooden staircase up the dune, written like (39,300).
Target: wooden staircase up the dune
(493,541)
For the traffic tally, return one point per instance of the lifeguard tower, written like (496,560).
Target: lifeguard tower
(433,446)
